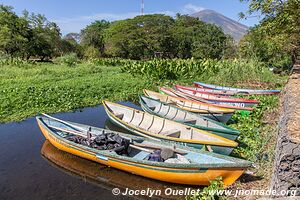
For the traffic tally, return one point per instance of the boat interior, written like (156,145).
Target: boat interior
(173,113)
(157,125)
(138,150)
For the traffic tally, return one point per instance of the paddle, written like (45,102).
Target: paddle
(86,137)
(74,126)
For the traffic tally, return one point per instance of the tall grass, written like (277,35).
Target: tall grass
(224,72)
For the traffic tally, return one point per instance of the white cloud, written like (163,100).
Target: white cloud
(75,24)
(190,9)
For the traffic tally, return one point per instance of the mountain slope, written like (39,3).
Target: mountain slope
(229,26)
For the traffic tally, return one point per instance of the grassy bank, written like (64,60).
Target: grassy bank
(29,89)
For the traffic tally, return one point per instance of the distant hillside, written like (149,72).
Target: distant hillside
(229,26)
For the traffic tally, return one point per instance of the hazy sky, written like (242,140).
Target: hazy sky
(73,15)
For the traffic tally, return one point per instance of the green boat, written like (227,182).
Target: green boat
(157,128)
(168,111)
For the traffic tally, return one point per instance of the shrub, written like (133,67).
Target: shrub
(69,59)
(210,192)
(91,53)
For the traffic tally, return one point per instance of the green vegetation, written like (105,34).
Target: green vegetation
(69,59)
(209,192)
(257,141)
(276,40)
(29,88)
(215,71)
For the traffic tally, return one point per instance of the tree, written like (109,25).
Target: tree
(258,44)
(93,35)
(13,33)
(281,19)
(209,42)
(45,38)
(183,33)
(141,37)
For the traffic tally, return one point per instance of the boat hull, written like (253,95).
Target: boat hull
(235,90)
(186,176)
(242,104)
(224,118)
(229,134)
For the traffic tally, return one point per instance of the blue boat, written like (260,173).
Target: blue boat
(236,90)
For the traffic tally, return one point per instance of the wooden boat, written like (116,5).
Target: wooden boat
(174,93)
(201,167)
(217,99)
(218,117)
(188,105)
(167,111)
(235,90)
(212,92)
(154,127)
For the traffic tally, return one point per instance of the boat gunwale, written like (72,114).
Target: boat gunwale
(238,90)
(233,143)
(226,99)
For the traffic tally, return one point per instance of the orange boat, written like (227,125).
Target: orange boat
(199,167)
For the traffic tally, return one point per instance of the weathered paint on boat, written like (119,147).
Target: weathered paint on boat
(236,90)
(218,99)
(174,93)
(185,104)
(216,143)
(229,168)
(211,91)
(186,116)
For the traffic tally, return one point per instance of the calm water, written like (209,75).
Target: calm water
(31,168)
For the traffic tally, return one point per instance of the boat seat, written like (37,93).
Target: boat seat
(141,155)
(171,133)
(190,121)
(152,107)
(119,115)
(172,103)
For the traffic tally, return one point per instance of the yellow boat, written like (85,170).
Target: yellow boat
(192,106)
(201,168)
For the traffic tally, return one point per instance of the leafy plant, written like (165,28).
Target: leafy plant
(69,59)
(210,192)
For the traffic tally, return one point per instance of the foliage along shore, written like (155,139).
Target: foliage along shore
(31,88)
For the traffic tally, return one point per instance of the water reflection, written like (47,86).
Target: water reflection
(100,175)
